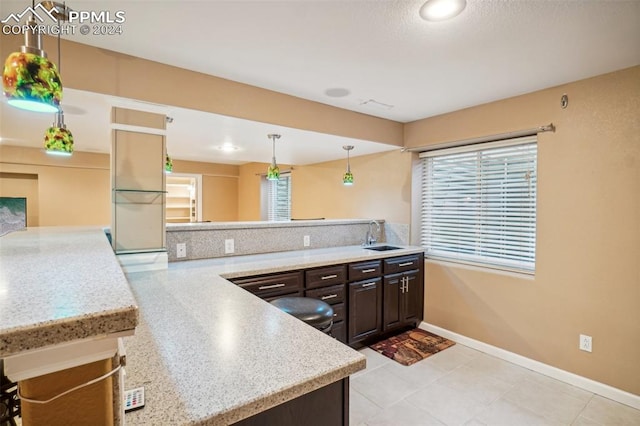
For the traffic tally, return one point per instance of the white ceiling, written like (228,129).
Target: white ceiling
(377,50)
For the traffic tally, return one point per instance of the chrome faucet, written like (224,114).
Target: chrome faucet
(371,238)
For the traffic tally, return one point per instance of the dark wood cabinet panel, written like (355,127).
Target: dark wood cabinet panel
(339,331)
(332,295)
(268,286)
(392,305)
(326,276)
(328,405)
(338,312)
(364,270)
(296,294)
(365,309)
(403,299)
(413,297)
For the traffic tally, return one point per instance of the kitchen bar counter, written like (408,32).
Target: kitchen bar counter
(209,352)
(58,285)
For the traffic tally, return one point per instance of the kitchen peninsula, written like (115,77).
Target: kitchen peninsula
(209,352)
(206,351)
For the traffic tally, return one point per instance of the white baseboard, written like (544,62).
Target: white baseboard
(539,367)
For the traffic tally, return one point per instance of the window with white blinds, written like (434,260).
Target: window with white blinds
(479,204)
(279,198)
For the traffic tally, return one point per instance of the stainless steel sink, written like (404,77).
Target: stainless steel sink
(382,248)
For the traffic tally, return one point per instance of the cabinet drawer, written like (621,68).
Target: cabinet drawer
(331,295)
(323,277)
(268,286)
(271,298)
(365,270)
(338,312)
(400,264)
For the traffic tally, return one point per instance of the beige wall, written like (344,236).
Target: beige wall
(71,190)
(22,185)
(76,190)
(382,188)
(587,276)
(219,188)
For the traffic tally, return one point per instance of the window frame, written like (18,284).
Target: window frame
(528,226)
(267,207)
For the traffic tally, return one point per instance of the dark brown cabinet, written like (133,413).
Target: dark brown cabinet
(365,309)
(368,298)
(403,300)
(403,291)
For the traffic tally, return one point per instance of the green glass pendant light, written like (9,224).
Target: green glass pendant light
(273,172)
(347,178)
(58,140)
(29,80)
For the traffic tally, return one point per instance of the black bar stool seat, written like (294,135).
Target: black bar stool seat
(312,311)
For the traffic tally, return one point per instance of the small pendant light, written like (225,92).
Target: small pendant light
(168,165)
(58,140)
(29,80)
(347,179)
(273,172)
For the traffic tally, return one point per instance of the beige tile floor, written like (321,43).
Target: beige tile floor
(461,386)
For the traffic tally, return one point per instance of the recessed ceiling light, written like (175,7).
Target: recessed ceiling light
(227,147)
(440,10)
(337,92)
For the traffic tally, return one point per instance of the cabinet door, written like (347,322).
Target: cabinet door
(392,295)
(412,298)
(365,309)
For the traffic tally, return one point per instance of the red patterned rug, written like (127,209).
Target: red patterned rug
(411,346)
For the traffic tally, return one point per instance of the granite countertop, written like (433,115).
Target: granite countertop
(59,284)
(209,352)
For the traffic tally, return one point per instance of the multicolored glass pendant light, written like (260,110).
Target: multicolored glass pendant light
(58,140)
(347,178)
(273,172)
(168,165)
(30,81)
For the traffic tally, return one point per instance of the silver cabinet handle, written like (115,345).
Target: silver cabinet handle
(329,296)
(406,264)
(328,277)
(366,271)
(265,287)
(368,285)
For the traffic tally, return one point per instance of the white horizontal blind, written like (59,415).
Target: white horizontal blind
(479,204)
(279,198)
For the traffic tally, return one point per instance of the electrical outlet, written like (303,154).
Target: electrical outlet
(229,246)
(585,343)
(181,250)
(307,240)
